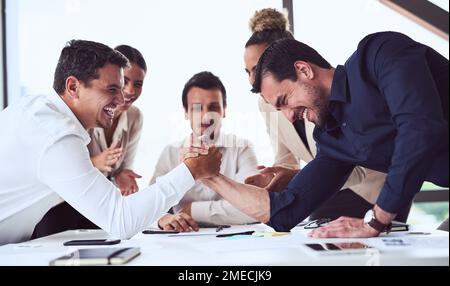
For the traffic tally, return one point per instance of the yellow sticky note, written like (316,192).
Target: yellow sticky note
(269,234)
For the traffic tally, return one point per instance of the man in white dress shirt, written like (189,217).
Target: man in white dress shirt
(45,159)
(204,101)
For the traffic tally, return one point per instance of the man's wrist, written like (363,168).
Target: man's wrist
(378,220)
(383,216)
(371,230)
(191,168)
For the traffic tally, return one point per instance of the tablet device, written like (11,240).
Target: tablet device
(97,256)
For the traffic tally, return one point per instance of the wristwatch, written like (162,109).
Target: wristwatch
(372,221)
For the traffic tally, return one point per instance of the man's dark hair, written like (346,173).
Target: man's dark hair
(268,37)
(133,55)
(279,58)
(82,59)
(204,80)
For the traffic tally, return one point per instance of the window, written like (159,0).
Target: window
(178,38)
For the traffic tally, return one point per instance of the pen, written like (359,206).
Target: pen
(236,233)
(220,227)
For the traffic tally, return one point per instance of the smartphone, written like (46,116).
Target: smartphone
(92,242)
(152,231)
(337,248)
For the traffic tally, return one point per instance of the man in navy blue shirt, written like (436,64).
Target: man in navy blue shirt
(386,109)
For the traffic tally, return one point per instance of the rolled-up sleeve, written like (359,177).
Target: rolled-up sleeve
(312,186)
(66,168)
(408,87)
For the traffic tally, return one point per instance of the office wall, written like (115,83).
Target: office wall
(178,38)
(334,28)
(2,103)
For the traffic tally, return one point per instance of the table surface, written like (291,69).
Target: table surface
(207,249)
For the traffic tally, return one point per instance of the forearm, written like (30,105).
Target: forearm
(95,197)
(251,200)
(311,187)
(218,212)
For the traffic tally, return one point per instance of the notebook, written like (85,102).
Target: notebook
(399,226)
(97,256)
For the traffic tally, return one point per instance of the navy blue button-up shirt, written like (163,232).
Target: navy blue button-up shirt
(388,112)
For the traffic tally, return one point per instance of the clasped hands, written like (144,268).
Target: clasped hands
(203,161)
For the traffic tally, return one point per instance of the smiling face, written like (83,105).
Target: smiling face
(251,57)
(133,82)
(298,99)
(95,103)
(205,111)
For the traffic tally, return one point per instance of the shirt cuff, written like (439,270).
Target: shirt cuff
(390,202)
(183,177)
(201,212)
(279,201)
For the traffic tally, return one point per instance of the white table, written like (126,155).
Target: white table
(161,249)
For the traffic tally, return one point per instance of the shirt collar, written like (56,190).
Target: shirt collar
(122,125)
(64,109)
(339,85)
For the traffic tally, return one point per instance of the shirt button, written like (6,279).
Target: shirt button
(344,124)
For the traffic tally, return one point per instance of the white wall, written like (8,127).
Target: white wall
(178,38)
(1,61)
(334,28)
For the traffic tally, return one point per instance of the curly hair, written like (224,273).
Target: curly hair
(268,19)
(267,26)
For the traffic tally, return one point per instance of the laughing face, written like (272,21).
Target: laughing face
(98,100)
(298,100)
(205,111)
(133,80)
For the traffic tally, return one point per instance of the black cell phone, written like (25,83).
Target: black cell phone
(151,231)
(92,242)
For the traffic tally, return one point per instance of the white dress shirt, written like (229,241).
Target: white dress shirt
(238,163)
(128,132)
(44,160)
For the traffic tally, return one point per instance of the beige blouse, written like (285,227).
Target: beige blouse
(128,131)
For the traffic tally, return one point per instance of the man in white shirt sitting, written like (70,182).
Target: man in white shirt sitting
(45,159)
(204,101)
